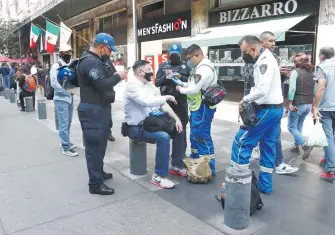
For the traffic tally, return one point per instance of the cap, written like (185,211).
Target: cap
(65,47)
(175,49)
(107,40)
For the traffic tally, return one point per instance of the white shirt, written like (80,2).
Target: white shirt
(139,100)
(208,77)
(267,89)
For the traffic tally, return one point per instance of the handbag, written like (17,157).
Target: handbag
(249,114)
(162,122)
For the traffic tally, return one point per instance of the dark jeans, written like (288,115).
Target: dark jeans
(24,94)
(162,140)
(94,121)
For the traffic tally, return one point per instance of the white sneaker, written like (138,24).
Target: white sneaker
(256,153)
(73,146)
(70,153)
(285,169)
(162,182)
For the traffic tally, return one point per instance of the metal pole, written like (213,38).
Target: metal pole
(135,28)
(17,83)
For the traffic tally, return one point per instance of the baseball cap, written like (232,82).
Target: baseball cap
(65,47)
(175,49)
(107,40)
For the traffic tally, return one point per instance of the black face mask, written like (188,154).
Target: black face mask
(248,58)
(174,59)
(148,76)
(66,58)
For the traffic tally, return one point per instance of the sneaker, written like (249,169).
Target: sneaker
(161,182)
(111,138)
(73,146)
(328,176)
(307,151)
(296,150)
(322,162)
(177,171)
(70,153)
(285,169)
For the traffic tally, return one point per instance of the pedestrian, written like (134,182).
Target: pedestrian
(179,69)
(63,100)
(96,95)
(41,74)
(268,41)
(142,99)
(24,86)
(300,99)
(324,108)
(267,94)
(202,77)
(5,72)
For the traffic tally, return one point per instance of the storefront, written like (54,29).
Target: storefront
(157,34)
(82,37)
(294,23)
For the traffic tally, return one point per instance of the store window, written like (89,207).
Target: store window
(82,38)
(153,10)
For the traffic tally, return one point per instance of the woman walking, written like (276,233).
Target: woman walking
(300,99)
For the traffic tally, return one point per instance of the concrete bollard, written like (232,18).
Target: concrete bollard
(12,96)
(138,157)
(42,109)
(29,104)
(56,119)
(237,198)
(7,93)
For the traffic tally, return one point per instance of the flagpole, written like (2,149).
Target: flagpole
(64,28)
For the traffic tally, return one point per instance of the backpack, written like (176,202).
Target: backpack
(256,202)
(198,170)
(48,89)
(29,83)
(215,93)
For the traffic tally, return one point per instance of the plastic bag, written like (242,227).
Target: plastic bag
(317,137)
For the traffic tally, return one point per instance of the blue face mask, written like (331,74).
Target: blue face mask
(191,64)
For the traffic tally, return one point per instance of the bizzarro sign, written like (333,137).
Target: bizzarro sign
(170,26)
(267,10)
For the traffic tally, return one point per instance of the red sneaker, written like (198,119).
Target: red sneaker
(328,176)
(322,162)
(176,171)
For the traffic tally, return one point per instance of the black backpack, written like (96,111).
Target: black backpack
(256,202)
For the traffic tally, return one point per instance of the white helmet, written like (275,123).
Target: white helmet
(65,47)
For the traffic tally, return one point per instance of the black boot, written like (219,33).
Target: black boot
(111,138)
(107,176)
(101,189)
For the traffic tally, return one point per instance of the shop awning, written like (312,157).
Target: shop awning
(232,34)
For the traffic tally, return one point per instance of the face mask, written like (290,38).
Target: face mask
(148,76)
(66,58)
(191,64)
(105,57)
(174,59)
(248,58)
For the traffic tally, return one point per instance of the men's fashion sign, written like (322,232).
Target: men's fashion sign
(268,10)
(170,26)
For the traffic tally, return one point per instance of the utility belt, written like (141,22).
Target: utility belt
(270,106)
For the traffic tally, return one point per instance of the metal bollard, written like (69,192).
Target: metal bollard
(138,157)
(12,96)
(7,93)
(42,109)
(56,119)
(237,198)
(29,104)
(2,93)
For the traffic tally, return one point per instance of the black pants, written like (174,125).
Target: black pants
(94,123)
(24,94)
(110,124)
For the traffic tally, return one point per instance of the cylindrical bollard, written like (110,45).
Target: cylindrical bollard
(12,96)
(138,157)
(2,93)
(29,104)
(237,198)
(42,109)
(7,93)
(56,119)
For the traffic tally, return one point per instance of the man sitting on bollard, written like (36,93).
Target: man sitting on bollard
(27,84)
(142,100)
(63,100)
(267,94)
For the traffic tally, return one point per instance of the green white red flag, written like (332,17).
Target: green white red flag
(34,34)
(51,36)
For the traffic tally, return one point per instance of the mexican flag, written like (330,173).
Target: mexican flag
(34,34)
(51,36)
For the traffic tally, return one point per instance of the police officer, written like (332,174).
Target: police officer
(96,94)
(181,71)
(267,94)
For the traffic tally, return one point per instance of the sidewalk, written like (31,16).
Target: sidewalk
(44,192)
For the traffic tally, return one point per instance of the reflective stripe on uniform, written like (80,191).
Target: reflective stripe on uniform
(194,150)
(266,169)
(240,166)
(212,156)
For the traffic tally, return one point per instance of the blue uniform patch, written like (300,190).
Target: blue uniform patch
(94,74)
